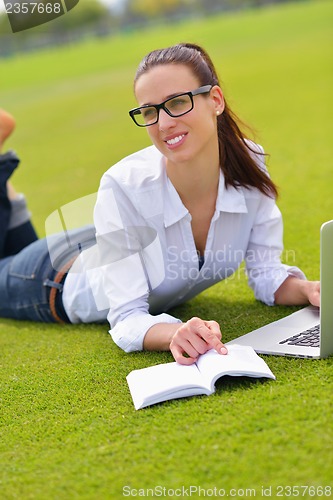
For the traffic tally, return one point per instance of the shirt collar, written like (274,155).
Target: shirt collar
(174,209)
(228,200)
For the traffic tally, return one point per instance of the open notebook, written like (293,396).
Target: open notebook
(166,381)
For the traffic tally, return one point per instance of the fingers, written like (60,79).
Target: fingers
(179,356)
(314,293)
(215,340)
(196,337)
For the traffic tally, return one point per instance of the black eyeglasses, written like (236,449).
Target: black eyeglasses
(179,105)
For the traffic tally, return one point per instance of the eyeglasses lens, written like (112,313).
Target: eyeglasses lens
(179,105)
(146,116)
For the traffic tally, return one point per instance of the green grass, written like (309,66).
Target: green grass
(68,426)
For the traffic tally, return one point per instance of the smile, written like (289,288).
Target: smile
(175,140)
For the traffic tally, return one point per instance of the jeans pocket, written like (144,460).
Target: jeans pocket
(29,263)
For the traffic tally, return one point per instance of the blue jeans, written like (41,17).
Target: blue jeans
(27,274)
(26,279)
(24,260)
(25,284)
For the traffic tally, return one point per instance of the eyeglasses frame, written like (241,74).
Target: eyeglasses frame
(205,89)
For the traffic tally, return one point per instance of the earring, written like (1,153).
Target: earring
(217,113)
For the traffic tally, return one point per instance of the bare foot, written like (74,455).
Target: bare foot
(7,125)
(11,192)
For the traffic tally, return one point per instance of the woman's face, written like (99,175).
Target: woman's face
(187,137)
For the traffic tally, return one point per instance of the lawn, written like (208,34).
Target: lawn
(68,428)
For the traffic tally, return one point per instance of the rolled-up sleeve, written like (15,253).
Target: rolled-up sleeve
(129,333)
(264,268)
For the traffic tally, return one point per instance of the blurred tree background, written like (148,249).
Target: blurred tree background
(91,18)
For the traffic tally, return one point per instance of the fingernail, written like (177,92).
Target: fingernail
(224,350)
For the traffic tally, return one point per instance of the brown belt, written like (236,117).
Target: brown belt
(58,278)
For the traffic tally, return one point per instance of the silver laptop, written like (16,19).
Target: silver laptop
(307,333)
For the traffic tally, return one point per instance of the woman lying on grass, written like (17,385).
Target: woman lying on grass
(171,220)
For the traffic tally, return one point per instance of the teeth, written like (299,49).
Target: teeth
(175,139)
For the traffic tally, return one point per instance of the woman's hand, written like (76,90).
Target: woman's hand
(196,337)
(298,292)
(313,292)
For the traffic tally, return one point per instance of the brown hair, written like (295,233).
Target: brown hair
(236,154)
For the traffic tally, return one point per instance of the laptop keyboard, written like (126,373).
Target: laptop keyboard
(308,338)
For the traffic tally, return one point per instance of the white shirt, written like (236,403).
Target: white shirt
(146,261)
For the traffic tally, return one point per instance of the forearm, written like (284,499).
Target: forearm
(159,336)
(295,291)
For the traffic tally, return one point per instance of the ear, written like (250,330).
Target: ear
(216,95)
